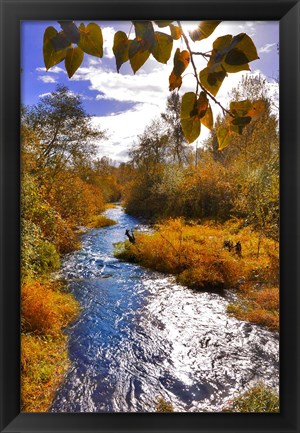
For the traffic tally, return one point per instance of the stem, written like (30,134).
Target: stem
(196,74)
(200,54)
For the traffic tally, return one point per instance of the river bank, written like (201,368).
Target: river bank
(215,257)
(141,336)
(47,309)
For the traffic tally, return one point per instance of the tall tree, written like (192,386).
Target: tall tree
(63,131)
(177,142)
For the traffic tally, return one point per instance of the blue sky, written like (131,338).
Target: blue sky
(124,103)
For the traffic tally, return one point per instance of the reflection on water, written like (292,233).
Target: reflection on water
(141,336)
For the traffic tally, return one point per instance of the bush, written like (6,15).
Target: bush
(260,398)
(164,406)
(38,257)
(44,362)
(100,221)
(45,309)
(74,199)
(258,306)
(44,221)
(195,254)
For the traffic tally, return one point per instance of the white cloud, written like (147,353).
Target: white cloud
(54,70)
(267,48)
(148,88)
(47,79)
(108,41)
(45,94)
(123,129)
(142,87)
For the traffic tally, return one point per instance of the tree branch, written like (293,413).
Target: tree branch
(196,74)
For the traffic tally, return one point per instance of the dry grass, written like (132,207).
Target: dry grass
(259,306)
(44,362)
(100,221)
(258,399)
(195,254)
(110,205)
(164,406)
(46,309)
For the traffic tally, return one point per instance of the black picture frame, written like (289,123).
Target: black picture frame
(288,13)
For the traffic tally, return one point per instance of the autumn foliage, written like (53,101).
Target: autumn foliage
(61,190)
(45,309)
(195,254)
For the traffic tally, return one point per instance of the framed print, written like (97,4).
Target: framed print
(149,218)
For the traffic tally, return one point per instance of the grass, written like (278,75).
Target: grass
(196,256)
(98,221)
(110,205)
(258,306)
(260,398)
(46,310)
(164,406)
(44,362)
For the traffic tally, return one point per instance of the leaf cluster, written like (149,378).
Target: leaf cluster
(229,54)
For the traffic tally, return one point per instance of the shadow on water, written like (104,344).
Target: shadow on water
(141,336)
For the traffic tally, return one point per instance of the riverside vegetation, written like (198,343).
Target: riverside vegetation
(57,196)
(197,199)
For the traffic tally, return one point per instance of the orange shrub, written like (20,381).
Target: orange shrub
(46,310)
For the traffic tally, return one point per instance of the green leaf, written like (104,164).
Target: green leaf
(236,57)
(245,44)
(162,47)
(60,41)
(188,103)
(181,61)
(233,53)
(145,34)
(176,32)
(51,57)
(70,30)
(221,47)
(191,128)
(202,105)
(238,124)
(190,122)
(204,30)
(73,60)
(240,108)
(91,39)
(137,54)
(241,121)
(212,81)
(120,48)
(223,137)
(161,23)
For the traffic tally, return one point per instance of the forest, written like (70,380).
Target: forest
(201,204)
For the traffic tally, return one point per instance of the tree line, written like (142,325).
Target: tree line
(166,178)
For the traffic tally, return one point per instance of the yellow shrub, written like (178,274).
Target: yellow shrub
(196,255)
(100,221)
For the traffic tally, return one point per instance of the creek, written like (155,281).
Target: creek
(141,336)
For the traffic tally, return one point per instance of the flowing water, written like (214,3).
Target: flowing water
(140,336)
